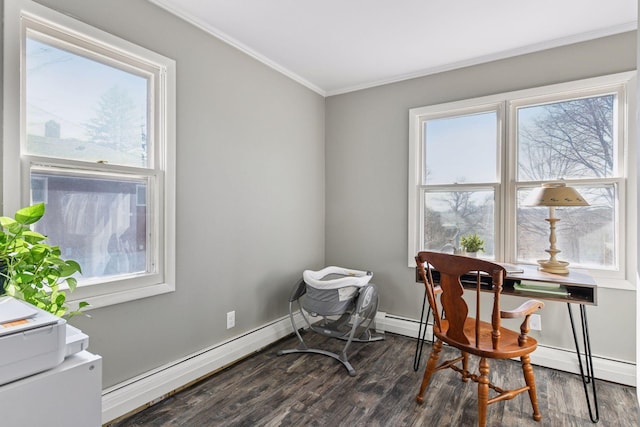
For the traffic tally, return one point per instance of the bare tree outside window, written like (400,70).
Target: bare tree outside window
(115,124)
(451,214)
(571,140)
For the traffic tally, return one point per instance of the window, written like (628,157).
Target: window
(576,140)
(457,197)
(473,163)
(94,140)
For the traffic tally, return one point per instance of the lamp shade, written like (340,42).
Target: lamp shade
(555,194)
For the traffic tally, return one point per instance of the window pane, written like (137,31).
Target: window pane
(585,234)
(450,215)
(569,139)
(81,109)
(456,146)
(99,222)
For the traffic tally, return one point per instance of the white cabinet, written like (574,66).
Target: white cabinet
(69,395)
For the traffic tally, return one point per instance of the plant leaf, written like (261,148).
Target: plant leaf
(73,264)
(72,283)
(30,214)
(5,221)
(15,228)
(33,236)
(60,298)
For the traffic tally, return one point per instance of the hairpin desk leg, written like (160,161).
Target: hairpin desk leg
(588,376)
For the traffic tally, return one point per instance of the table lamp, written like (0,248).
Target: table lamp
(554,194)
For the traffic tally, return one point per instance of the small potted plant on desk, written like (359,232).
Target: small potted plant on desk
(471,243)
(32,270)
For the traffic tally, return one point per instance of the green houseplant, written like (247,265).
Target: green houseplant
(31,269)
(472,243)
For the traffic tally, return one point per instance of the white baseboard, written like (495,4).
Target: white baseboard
(555,358)
(159,383)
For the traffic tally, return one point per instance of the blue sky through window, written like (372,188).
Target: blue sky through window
(66,87)
(461,149)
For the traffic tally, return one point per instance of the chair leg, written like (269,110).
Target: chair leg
(430,369)
(465,366)
(483,392)
(531,382)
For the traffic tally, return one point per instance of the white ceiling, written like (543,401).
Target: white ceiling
(336,46)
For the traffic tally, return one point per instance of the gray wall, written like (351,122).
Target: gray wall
(250,193)
(366,178)
(251,186)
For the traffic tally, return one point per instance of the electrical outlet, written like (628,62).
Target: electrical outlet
(535,322)
(231,319)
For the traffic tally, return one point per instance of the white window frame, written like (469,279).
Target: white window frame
(506,104)
(455,110)
(22,14)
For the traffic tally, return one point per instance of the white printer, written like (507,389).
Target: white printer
(33,340)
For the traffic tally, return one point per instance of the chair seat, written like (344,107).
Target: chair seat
(507,349)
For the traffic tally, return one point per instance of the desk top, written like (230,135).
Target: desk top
(531,272)
(581,286)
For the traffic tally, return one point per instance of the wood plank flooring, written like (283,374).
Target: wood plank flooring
(313,390)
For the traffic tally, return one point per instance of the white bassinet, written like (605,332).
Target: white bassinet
(346,303)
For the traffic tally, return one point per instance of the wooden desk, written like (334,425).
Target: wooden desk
(581,290)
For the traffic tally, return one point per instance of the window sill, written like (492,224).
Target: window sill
(611,283)
(112,298)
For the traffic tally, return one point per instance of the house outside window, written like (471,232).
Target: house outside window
(94,140)
(473,163)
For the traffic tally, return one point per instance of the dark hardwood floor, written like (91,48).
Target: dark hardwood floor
(313,390)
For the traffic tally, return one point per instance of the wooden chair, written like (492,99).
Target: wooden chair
(487,340)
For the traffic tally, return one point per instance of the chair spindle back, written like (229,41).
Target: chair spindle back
(453,270)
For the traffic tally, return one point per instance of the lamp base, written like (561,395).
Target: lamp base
(555,267)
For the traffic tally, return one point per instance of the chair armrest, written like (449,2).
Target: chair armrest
(525,309)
